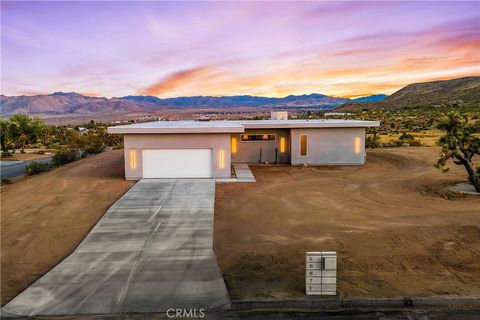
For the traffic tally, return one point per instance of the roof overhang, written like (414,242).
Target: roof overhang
(306,124)
(166,127)
(177,127)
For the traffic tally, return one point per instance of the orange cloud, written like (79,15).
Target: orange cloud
(90,94)
(175,80)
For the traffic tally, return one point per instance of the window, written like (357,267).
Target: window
(258,137)
(303,144)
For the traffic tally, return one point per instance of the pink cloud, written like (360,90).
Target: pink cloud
(175,80)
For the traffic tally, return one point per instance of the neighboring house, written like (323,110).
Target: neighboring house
(207,149)
(82,130)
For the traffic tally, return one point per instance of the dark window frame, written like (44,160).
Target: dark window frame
(271,137)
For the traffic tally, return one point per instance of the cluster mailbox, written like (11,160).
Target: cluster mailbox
(321,273)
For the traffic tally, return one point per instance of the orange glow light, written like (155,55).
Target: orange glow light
(357,145)
(282,144)
(221,159)
(133,159)
(234,145)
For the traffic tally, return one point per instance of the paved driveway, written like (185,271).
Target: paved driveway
(152,250)
(11,169)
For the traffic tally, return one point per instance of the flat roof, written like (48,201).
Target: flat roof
(235,126)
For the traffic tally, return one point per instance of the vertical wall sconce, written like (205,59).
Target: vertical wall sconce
(357,145)
(234,145)
(221,159)
(133,159)
(282,144)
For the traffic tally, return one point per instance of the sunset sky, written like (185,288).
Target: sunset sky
(170,49)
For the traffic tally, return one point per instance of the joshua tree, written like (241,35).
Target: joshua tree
(460,145)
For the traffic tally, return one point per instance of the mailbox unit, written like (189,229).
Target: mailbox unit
(321,273)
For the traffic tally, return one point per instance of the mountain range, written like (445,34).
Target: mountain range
(464,90)
(372,98)
(77,104)
(424,95)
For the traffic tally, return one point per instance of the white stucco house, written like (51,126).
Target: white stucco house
(207,149)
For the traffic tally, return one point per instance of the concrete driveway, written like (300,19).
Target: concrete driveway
(152,250)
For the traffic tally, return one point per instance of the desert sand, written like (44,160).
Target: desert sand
(396,229)
(44,217)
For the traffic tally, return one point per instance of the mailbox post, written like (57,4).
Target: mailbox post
(321,273)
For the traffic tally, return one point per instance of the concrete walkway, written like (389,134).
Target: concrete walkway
(153,250)
(243,173)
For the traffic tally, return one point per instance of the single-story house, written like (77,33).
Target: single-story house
(207,149)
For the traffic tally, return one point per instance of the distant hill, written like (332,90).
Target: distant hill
(67,103)
(417,95)
(427,94)
(74,103)
(372,98)
(314,99)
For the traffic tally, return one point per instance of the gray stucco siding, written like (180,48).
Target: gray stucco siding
(135,143)
(329,146)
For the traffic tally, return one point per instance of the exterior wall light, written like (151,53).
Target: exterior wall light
(221,159)
(282,144)
(234,145)
(357,145)
(133,159)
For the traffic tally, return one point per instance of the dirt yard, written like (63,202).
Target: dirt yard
(44,217)
(396,229)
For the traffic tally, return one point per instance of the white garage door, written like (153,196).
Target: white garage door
(177,163)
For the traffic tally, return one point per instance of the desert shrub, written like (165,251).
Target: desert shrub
(40,152)
(37,167)
(415,143)
(407,140)
(89,143)
(54,145)
(6,181)
(404,143)
(372,141)
(65,156)
(96,146)
(406,137)
(6,154)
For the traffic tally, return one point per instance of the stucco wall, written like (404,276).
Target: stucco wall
(136,142)
(249,151)
(329,146)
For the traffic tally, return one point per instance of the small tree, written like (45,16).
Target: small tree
(460,145)
(5,136)
(25,130)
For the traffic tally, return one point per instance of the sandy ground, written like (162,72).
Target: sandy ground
(44,217)
(396,229)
